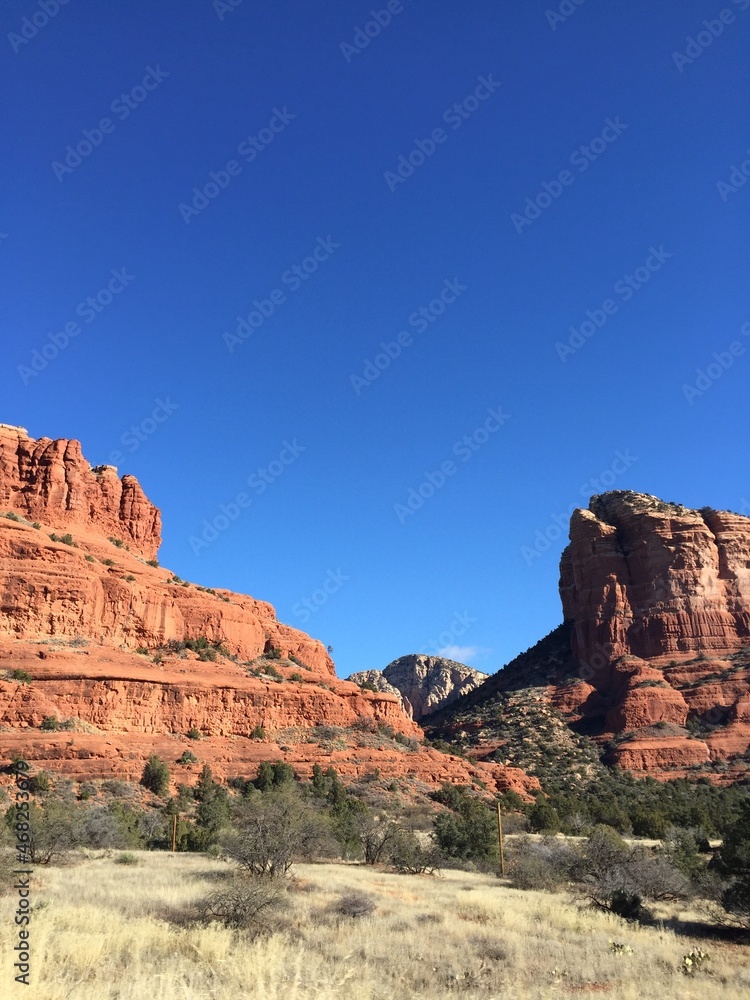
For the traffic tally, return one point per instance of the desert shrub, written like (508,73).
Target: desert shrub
(87,790)
(365,724)
(257,733)
(353,904)
(272,653)
(680,847)
(546,865)
(407,855)
(212,814)
(271,831)
(470,833)
(20,675)
(187,757)
(153,562)
(376,836)
(243,902)
(108,562)
(193,734)
(368,685)
(126,859)
(50,724)
(117,541)
(155,775)
(53,833)
(543,818)
(610,872)
(449,795)
(274,775)
(121,789)
(113,826)
(100,829)
(627,905)
(732,863)
(296,676)
(406,741)
(65,539)
(7,874)
(39,783)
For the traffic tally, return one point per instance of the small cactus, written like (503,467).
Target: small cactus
(693,961)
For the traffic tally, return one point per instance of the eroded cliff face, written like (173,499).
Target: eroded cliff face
(50,481)
(425,683)
(93,632)
(658,596)
(650,579)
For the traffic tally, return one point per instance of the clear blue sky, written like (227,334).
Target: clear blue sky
(314,123)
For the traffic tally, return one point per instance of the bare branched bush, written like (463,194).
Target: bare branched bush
(273,830)
(543,865)
(408,856)
(618,878)
(354,904)
(243,902)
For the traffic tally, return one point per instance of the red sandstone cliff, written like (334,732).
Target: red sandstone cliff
(74,613)
(653,660)
(51,481)
(659,600)
(648,578)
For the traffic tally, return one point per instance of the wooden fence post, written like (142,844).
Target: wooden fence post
(500,840)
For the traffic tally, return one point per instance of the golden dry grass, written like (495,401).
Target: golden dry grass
(100,933)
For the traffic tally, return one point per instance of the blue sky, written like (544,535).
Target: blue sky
(370,302)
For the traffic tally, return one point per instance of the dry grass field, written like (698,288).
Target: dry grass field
(107,931)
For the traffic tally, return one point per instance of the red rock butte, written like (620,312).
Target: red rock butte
(100,629)
(658,596)
(651,579)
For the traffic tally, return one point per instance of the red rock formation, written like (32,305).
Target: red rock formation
(73,615)
(648,578)
(51,481)
(659,599)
